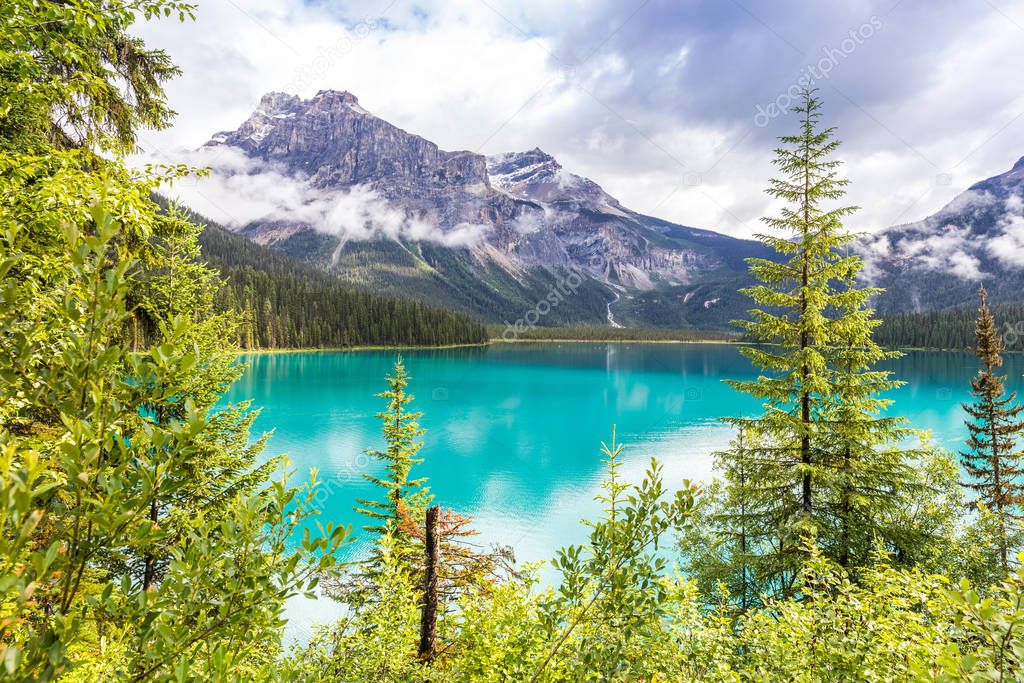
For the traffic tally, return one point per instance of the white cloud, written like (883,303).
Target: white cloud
(482,76)
(966,266)
(1008,245)
(933,246)
(240,190)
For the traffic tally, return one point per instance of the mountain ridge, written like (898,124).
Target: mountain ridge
(496,236)
(940,261)
(514,225)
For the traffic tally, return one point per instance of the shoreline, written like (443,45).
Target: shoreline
(340,349)
(618,341)
(491,342)
(498,341)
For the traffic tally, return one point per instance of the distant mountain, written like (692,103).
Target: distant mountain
(284,303)
(517,237)
(507,237)
(939,262)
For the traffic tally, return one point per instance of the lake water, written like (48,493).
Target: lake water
(514,430)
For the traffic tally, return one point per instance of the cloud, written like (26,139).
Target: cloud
(240,190)
(953,241)
(653,100)
(949,249)
(966,266)
(1008,245)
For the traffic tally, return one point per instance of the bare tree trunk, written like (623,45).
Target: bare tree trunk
(428,611)
(149,574)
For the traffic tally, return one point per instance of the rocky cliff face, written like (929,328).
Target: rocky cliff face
(530,221)
(495,235)
(333,144)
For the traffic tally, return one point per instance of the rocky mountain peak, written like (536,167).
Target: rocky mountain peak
(1001,186)
(337,101)
(329,95)
(486,234)
(274,103)
(518,166)
(535,175)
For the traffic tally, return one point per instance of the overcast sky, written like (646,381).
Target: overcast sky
(670,105)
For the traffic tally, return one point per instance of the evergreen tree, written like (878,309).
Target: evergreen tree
(822,451)
(992,460)
(403,497)
(796,296)
(301,306)
(84,80)
(872,475)
(949,328)
(176,306)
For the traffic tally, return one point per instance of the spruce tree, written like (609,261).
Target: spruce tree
(822,449)
(992,461)
(872,474)
(403,497)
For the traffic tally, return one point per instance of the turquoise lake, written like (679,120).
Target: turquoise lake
(514,430)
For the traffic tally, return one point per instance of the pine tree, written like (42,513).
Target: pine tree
(403,497)
(821,446)
(992,460)
(400,521)
(872,474)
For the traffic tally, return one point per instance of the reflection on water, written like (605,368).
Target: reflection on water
(513,431)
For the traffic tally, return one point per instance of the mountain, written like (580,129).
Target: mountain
(285,303)
(507,238)
(939,262)
(516,238)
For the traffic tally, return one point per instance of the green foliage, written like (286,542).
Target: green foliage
(616,614)
(799,299)
(822,460)
(891,624)
(723,549)
(951,328)
(611,596)
(405,499)
(612,604)
(992,460)
(993,627)
(140,540)
(885,627)
(288,304)
(74,76)
(376,640)
(94,437)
